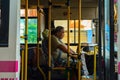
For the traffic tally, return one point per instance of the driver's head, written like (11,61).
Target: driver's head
(59,32)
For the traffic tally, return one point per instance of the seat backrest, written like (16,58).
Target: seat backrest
(45,47)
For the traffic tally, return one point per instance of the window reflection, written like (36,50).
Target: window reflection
(4,22)
(0,13)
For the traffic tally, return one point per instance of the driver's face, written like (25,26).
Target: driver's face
(60,34)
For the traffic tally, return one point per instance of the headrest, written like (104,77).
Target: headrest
(45,33)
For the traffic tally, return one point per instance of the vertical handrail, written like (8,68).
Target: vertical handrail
(22,64)
(79,42)
(38,40)
(95,51)
(49,47)
(38,33)
(26,38)
(68,35)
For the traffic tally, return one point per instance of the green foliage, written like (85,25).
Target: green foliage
(32,30)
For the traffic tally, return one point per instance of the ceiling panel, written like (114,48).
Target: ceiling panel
(88,6)
(73,3)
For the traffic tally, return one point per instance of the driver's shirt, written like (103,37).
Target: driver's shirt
(55,42)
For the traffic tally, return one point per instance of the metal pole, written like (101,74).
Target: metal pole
(49,50)
(59,68)
(79,43)
(95,51)
(38,39)
(38,32)
(112,62)
(26,38)
(22,64)
(75,31)
(68,35)
(100,11)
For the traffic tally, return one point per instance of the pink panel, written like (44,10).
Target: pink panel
(8,66)
(6,79)
(2,79)
(11,79)
(16,78)
(119,68)
(115,1)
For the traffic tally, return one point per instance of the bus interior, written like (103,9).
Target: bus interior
(83,21)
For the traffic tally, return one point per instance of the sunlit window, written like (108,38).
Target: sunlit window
(85,33)
(32,25)
(31,13)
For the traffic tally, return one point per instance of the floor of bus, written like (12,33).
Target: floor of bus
(34,74)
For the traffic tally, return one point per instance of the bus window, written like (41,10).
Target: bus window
(4,23)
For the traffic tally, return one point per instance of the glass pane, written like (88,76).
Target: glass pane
(83,36)
(0,13)
(32,30)
(22,29)
(31,13)
(116,34)
(115,24)
(85,26)
(4,23)
(107,39)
